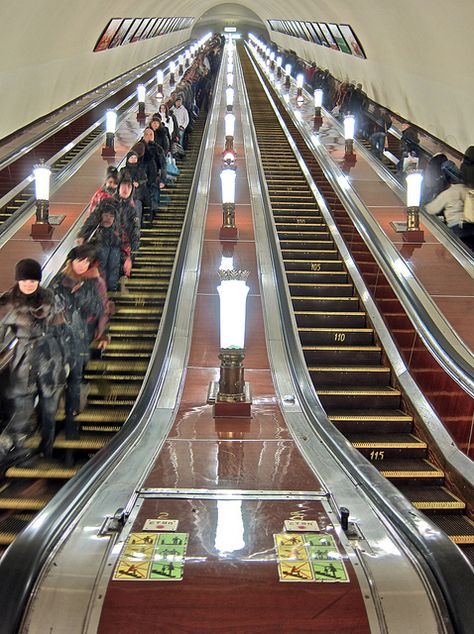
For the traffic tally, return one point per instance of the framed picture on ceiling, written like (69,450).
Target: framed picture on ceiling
(311,30)
(149,29)
(319,33)
(138,33)
(328,35)
(132,30)
(352,41)
(107,35)
(121,33)
(340,41)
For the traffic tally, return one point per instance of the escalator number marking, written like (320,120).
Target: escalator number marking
(377,455)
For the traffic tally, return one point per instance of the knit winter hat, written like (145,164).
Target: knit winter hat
(28,269)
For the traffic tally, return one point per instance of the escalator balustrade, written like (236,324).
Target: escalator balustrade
(345,359)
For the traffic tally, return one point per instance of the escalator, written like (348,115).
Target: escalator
(345,359)
(115,377)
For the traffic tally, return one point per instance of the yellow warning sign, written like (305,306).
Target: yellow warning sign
(131,570)
(142,538)
(309,557)
(295,571)
(139,552)
(152,557)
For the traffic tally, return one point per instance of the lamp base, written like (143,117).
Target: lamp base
(317,122)
(108,152)
(230,409)
(414,235)
(41,230)
(228,233)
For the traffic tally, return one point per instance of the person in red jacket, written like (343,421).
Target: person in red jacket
(107,190)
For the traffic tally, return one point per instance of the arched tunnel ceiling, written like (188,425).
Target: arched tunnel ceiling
(419,53)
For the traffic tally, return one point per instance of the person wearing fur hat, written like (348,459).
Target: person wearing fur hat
(40,363)
(105,230)
(83,295)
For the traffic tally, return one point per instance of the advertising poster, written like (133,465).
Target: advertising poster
(108,34)
(327,34)
(352,41)
(340,41)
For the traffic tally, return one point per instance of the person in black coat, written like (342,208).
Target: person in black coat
(41,362)
(162,135)
(153,159)
(141,196)
(106,231)
(83,295)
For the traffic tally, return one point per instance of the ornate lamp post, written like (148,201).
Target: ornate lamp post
(410,230)
(288,76)
(159,81)
(318,102)
(228,230)
(41,227)
(349,130)
(108,151)
(279,61)
(141,93)
(299,88)
(229,94)
(233,393)
(172,72)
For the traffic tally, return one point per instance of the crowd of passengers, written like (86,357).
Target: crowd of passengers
(46,334)
(448,190)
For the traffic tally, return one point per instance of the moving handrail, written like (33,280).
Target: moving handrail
(436,333)
(22,563)
(443,560)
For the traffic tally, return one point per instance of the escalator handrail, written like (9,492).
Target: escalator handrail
(24,560)
(451,570)
(434,330)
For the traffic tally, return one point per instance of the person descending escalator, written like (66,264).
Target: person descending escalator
(127,210)
(153,160)
(105,230)
(107,190)
(162,135)
(141,196)
(39,365)
(83,294)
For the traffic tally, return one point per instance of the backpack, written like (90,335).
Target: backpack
(468,215)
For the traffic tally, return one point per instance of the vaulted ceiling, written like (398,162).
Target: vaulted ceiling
(419,53)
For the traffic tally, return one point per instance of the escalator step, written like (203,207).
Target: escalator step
(459,527)
(11,526)
(355,421)
(432,499)
(43,469)
(340,376)
(359,397)
(24,503)
(379,446)
(409,469)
